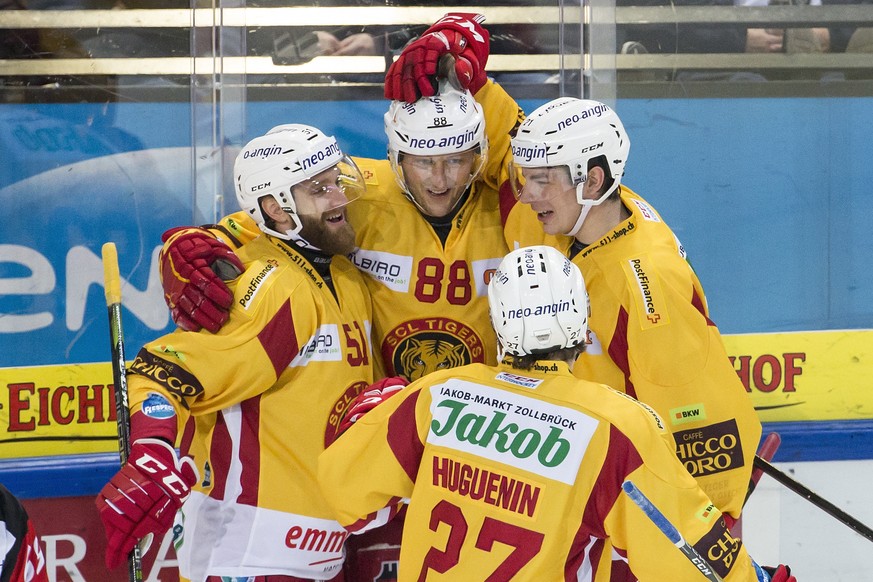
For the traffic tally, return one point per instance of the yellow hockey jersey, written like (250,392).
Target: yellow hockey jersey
(256,403)
(650,335)
(430,303)
(518,475)
(429,299)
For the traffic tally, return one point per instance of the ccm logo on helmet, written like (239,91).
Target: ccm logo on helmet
(595,111)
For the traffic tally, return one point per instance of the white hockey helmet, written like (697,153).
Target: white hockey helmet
(270,165)
(538,302)
(447,123)
(569,132)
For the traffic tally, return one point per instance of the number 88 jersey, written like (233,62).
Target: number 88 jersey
(430,302)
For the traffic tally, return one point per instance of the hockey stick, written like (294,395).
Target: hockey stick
(766,451)
(112,287)
(814,498)
(667,528)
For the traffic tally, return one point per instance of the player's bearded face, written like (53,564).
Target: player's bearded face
(321,206)
(438,182)
(552,195)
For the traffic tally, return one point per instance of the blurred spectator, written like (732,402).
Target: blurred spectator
(721,38)
(697,38)
(16,44)
(681,38)
(791,40)
(112,42)
(841,36)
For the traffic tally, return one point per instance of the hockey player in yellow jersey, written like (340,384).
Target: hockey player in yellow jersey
(429,228)
(650,334)
(429,234)
(254,404)
(515,471)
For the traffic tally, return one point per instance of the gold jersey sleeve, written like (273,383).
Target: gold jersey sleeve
(262,398)
(512,473)
(502,118)
(236,229)
(650,335)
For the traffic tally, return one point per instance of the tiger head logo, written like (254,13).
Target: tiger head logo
(417,347)
(421,357)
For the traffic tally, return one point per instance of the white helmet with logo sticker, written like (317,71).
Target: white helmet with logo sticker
(570,132)
(270,165)
(450,122)
(538,302)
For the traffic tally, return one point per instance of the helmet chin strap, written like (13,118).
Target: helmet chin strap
(292,234)
(587,205)
(583,214)
(583,210)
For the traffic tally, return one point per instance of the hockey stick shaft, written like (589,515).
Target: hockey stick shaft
(112,287)
(669,530)
(767,451)
(814,498)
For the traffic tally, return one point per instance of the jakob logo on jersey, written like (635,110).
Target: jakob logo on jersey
(420,346)
(710,449)
(519,431)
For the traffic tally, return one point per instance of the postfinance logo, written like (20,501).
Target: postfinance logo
(649,299)
(257,282)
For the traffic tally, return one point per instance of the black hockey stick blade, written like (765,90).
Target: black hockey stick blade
(815,499)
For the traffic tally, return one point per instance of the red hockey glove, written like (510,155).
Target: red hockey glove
(142,498)
(194,266)
(781,573)
(414,73)
(373,396)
